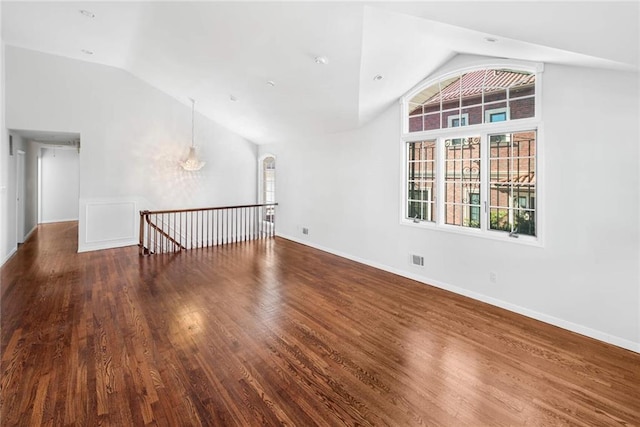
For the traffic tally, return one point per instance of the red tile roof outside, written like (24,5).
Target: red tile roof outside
(474,82)
(527,179)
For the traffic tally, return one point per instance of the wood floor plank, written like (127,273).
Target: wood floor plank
(271,332)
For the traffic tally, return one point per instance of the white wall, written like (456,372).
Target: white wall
(31,190)
(5,245)
(60,184)
(9,173)
(346,189)
(132,137)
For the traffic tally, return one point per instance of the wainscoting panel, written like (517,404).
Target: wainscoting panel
(107,223)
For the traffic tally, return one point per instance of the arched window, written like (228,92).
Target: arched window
(472,98)
(471,152)
(268,184)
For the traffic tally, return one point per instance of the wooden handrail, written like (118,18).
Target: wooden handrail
(173,230)
(161,231)
(209,209)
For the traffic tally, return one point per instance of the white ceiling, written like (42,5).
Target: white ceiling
(211,51)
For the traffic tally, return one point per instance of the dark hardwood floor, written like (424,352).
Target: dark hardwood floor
(272,332)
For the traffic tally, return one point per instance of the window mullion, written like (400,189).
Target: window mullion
(440,178)
(485,171)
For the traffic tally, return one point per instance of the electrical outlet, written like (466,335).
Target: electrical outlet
(305,231)
(493,278)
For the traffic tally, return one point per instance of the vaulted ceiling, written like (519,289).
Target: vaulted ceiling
(224,54)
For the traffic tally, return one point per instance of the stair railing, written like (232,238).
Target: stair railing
(167,231)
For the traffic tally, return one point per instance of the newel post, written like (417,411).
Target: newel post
(143,214)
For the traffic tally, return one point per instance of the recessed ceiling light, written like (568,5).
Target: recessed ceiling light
(322,60)
(271,83)
(377,78)
(490,39)
(87,13)
(87,52)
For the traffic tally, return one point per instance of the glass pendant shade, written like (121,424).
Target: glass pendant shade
(192,163)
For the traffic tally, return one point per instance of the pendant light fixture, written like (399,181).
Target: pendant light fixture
(192,163)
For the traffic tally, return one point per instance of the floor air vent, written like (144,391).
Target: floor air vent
(417,260)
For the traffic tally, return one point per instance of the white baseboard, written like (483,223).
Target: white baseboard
(30,232)
(88,247)
(9,255)
(561,323)
(49,221)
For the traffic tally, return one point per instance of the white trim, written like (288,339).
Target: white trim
(11,253)
(545,318)
(535,68)
(260,195)
(85,243)
(473,130)
(532,67)
(14,250)
(50,221)
(39,184)
(496,235)
(108,245)
(21,184)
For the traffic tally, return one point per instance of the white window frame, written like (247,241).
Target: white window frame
(261,160)
(483,130)
(267,225)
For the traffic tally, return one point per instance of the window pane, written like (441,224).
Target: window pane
(499,219)
(474,209)
(512,182)
(521,91)
(415,123)
(495,94)
(433,106)
(522,108)
(415,109)
(462,182)
(415,210)
(472,98)
(413,170)
(499,196)
(421,180)
(453,214)
(432,121)
(453,192)
(525,222)
(473,114)
(269,181)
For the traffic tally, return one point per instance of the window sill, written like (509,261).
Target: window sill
(477,233)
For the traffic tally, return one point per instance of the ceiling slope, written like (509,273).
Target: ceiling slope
(224,54)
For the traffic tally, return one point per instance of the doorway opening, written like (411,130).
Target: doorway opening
(46,183)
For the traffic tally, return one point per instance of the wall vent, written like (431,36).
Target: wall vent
(417,260)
